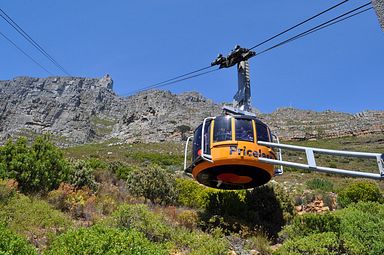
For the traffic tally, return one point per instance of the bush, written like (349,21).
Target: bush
(358,230)
(266,208)
(152,183)
(120,169)
(320,184)
(81,175)
(12,244)
(40,167)
(308,224)
(190,193)
(363,191)
(156,228)
(317,244)
(32,218)
(362,228)
(8,189)
(104,240)
(80,203)
(139,217)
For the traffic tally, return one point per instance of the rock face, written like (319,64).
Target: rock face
(81,110)
(294,124)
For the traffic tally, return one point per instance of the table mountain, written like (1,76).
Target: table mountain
(77,110)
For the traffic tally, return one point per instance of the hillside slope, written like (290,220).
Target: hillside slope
(82,110)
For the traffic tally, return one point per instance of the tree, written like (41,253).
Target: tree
(40,167)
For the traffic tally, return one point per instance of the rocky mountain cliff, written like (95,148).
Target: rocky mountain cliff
(81,110)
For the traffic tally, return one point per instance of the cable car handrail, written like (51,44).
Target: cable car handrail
(280,170)
(322,151)
(203,155)
(311,162)
(186,152)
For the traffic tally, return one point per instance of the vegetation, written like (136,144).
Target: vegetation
(12,244)
(153,183)
(158,229)
(320,184)
(97,199)
(360,191)
(40,167)
(104,240)
(353,230)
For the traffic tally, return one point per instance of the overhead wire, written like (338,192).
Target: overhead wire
(26,54)
(176,81)
(319,27)
(26,36)
(299,24)
(156,85)
(300,35)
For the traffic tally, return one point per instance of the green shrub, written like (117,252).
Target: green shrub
(156,228)
(40,167)
(139,217)
(269,207)
(152,183)
(120,169)
(81,175)
(104,240)
(96,163)
(308,224)
(190,193)
(259,242)
(188,219)
(320,184)
(12,244)
(266,208)
(32,217)
(362,228)
(197,242)
(316,244)
(357,230)
(363,191)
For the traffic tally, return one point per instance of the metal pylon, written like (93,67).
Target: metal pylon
(242,98)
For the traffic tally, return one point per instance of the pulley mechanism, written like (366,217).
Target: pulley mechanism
(242,98)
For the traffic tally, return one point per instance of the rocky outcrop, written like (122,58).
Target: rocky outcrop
(81,110)
(294,124)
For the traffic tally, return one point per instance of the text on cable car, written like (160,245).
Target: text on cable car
(233,149)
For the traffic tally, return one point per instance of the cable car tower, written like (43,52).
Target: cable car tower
(238,151)
(242,99)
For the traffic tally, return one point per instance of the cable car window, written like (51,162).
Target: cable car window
(222,129)
(244,130)
(262,132)
(207,137)
(196,143)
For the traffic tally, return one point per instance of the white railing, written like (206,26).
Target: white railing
(311,161)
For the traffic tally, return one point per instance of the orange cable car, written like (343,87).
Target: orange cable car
(225,152)
(235,151)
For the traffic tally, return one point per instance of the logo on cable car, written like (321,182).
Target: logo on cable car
(233,149)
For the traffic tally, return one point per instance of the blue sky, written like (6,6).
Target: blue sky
(140,43)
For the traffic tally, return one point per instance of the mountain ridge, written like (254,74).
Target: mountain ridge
(80,110)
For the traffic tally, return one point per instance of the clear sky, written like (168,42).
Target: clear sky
(142,42)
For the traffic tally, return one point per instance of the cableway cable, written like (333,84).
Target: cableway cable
(323,25)
(156,85)
(26,54)
(176,81)
(299,24)
(26,36)
(319,27)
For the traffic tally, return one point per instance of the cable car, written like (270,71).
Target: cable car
(238,151)
(225,152)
